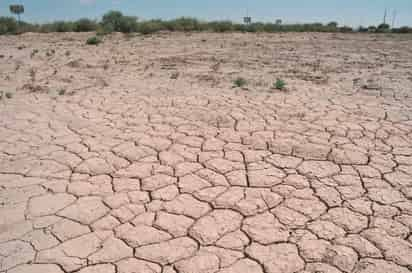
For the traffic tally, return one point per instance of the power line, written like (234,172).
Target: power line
(393,18)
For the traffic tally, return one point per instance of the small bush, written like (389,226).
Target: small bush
(8,25)
(61,92)
(383,28)
(84,25)
(34,52)
(58,26)
(62,26)
(9,95)
(279,84)
(183,24)
(174,75)
(240,82)
(403,29)
(345,29)
(149,27)
(220,26)
(93,40)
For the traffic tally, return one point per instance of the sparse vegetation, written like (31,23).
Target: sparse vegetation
(84,25)
(4,94)
(279,84)
(174,75)
(383,28)
(240,82)
(115,21)
(34,52)
(93,40)
(61,92)
(8,25)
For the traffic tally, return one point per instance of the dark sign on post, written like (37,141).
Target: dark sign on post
(247,20)
(17,9)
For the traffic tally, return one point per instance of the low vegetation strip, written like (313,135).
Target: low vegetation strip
(115,21)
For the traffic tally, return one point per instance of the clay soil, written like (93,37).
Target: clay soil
(140,155)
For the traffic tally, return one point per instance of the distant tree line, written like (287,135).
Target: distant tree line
(115,21)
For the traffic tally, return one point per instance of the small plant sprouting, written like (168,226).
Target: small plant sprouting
(240,82)
(174,75)
(34,52)
(9,95)
(279,84)
(93,40)
(62,92)
(4,94)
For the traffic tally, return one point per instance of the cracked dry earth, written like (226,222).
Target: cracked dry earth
(152,163)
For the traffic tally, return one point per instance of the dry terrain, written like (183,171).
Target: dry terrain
(139,155)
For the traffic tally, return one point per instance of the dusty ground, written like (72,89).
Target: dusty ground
(139,156)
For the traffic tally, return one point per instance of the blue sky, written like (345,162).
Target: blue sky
(348,12)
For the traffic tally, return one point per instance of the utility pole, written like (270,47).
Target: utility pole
(384,16)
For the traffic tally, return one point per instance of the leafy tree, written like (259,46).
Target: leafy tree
(116,21)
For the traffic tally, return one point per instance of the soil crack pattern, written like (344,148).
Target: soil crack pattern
(151,161)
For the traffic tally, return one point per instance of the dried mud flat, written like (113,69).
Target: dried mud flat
(139,156)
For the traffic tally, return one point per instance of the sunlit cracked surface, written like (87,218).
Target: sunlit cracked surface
(150,162)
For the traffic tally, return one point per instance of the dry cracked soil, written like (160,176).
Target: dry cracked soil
(139,156)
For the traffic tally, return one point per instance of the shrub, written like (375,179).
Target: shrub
(383,28)
(84,24)
(61,92)
(8,25)
(371,29)
(404,29)
(93,40)
(279,84)
(239,82)
(149,27)
(58,26)
(220,26)
(183,24)
(61,26)
(345,29)
(332,25)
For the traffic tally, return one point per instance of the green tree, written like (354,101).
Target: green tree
(116,21)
